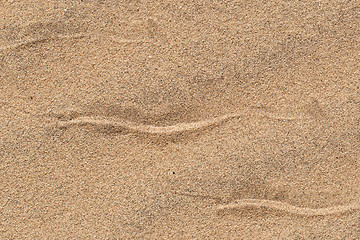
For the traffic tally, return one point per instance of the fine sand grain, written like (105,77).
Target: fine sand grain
(179,119)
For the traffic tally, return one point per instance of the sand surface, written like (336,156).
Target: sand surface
(179,119)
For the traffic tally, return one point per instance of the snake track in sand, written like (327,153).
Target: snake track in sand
(201,125)
(28,42)
(291,209)
(142,128)
(157,130)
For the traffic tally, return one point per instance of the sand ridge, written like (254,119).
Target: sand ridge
(164,130)
(288,208)
(33,41)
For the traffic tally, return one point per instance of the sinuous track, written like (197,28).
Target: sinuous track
(40,40)
(156,130)
(201,125)
(291,209)
(32,41)
(147,129)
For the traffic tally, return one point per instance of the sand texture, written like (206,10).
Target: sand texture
(179,119)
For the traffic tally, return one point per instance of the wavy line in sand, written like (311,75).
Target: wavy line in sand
(158,130)
(40,40)
(63,36)
(281,206)
(148,129)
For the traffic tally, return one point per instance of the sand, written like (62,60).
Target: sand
(179,119)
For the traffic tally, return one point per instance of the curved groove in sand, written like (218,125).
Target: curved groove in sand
(159,130)
(285,207)
(148,129)
(40,40)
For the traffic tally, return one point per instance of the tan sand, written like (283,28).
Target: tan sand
(179,119)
